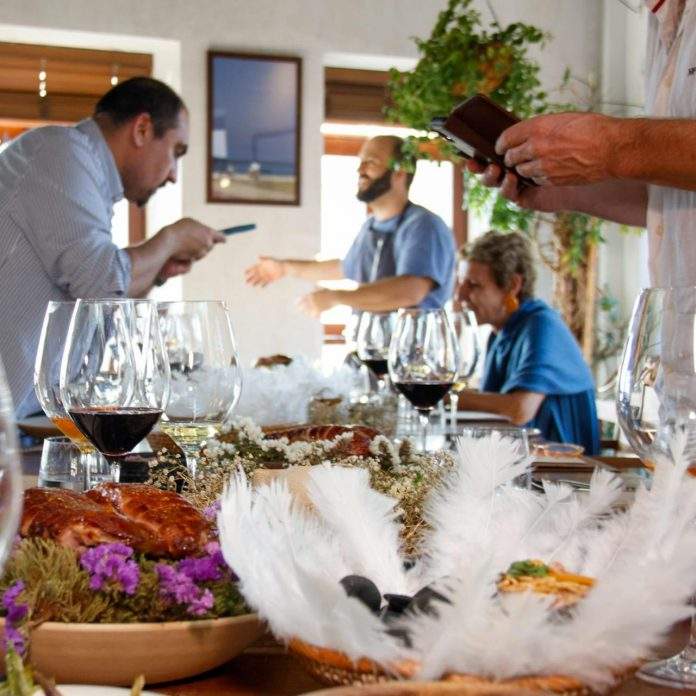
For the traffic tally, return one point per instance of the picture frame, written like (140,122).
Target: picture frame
(254,128)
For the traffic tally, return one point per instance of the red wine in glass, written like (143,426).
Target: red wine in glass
(424,395)
(378,366)
(115,431)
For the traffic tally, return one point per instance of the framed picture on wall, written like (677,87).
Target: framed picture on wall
(254,128)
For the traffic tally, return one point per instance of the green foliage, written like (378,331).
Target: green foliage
(461,58)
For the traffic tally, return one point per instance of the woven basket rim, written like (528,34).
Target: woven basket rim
(551,683)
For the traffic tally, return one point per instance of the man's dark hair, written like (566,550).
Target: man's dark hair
(140,95)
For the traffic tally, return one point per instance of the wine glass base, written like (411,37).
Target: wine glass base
(677,672)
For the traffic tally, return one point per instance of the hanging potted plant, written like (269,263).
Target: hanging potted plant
(460,58)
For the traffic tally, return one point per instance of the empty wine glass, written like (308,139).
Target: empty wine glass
(206,380)
(466,329)
(374,336)
(656,406)
(114,378)
(423,359)
(54,332)
(10,472)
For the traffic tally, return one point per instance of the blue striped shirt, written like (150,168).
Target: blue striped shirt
(58,186)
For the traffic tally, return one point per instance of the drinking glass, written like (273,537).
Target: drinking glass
(63,467)
(114,377)
(54,332)
(374,336)
(656,401)
(466,330)
(423,360)
(206,380)
(10,472)
(517,438)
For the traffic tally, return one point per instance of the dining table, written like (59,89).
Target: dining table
(267,669)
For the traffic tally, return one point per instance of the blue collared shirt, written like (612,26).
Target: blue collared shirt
(416,242)
(536,352)
(58,186)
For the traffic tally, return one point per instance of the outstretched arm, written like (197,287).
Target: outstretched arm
(268,269)
(382,295)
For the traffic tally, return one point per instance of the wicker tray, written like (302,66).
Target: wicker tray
(334,668)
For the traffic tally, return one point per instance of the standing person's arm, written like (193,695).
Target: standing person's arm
(268,270)
(170,252)
(385,295)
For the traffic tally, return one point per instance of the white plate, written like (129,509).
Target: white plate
(480,416)
(92,690)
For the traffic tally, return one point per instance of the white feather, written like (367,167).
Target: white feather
(365,522)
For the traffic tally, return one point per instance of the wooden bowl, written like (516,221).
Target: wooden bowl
(114,654)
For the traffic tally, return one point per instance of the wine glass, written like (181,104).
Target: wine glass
(10,472)
(206,380)
(423,359)
(656,401)
(114,376)
(466,329)
(54,332)
(374,336)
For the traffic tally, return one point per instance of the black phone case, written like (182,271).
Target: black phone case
(473,128)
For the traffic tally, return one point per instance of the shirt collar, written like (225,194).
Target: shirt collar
(112,178)
(391,224)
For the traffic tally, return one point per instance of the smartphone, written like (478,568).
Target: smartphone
(239,228)
(473,128)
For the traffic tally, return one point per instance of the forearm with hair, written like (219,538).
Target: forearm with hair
(624,202)
(313,270)
(147,259)
(387,294)
(519,406)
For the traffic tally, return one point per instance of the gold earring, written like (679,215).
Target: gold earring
(511,303)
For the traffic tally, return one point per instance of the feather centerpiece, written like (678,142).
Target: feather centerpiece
(291,564)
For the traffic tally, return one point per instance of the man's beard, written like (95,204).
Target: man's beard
(376,188)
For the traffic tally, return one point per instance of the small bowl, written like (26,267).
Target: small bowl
(558,449)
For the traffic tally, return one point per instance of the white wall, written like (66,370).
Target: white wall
(373,33)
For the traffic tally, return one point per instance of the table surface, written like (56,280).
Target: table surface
(267,670)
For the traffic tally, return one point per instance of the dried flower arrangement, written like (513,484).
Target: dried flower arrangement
(445,614)
(110,583)
(400,472)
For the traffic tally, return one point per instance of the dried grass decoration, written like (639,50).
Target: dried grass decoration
(443,612)
(399,471)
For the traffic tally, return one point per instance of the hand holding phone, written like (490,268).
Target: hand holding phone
(473,128)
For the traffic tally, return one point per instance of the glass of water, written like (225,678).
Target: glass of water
(63,467)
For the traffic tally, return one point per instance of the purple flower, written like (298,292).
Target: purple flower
(211,512)
(178,587)
(111,563)
(14,639)
(205,568)
(15,613)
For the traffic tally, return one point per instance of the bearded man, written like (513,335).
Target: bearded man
(403,255)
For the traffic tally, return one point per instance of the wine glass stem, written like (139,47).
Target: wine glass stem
(424,421)
(454,408)
(191,455)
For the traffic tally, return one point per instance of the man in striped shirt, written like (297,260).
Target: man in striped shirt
(58,186)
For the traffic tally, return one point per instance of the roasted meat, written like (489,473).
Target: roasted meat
(359,445)
(73,520)
(159,523)
(176,527)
